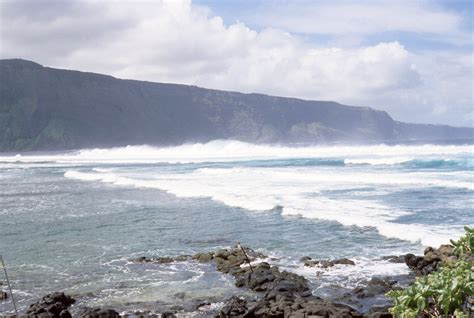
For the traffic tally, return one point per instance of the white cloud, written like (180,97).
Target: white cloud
(170,41)
(347,18)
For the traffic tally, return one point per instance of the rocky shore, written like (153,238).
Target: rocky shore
(271,292)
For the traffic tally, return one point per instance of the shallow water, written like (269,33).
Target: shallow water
(72,221)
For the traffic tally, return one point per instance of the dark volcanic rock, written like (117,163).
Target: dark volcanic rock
(374,287)
(98,313)
(285,307)
(432,260)
(3,295)
(394,258)
(162,260)
(284,294)
(229,260)
(235,306)
(326,263)
(225,259)
(52,305)
(265,278)
(168,314)
(379,312)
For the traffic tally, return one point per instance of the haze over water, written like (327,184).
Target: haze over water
(72,221)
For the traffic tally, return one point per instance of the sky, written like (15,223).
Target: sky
(411,58)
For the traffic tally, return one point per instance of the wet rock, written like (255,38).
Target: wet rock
(182,258)
(326,263)
(269,279)
(420,265)
(3,295)
(226,260)
(98,313)
(375,286)
(432,259)
(412,260)
(168,314)
(235,306)
(394,258)
(305,258)
(298,307)
(343,261)
(52,305)
(162,260)
(203,257)
(285,294)
(445,250)
(379,312)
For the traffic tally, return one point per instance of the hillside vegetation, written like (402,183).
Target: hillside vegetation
(45,108)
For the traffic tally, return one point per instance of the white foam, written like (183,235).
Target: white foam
(231,150)
(300,192)
(350,276)
(378,161)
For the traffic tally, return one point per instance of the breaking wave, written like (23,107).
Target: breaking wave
(296,179)
(231,150)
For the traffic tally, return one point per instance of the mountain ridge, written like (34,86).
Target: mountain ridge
(43,108)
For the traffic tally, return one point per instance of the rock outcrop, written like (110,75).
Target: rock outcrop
(162,260)
(53,305)
(278,293)
(98,313)
(308,261)
(282,294)
(432,259)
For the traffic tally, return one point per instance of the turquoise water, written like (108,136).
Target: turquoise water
(72,221)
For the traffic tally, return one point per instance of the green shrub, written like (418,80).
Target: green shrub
(442,293)
(439,294)
(465,245)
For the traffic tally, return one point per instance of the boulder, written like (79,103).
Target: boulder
(432,259)
(285,307)
(235,306)
(162,260)
(52,305)
(343,261)
(394,258)
(326,263)
(375,286)
(98,313)
(203,257)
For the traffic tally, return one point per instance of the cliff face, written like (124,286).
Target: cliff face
(46,108)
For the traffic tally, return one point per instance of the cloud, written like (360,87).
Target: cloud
(361,17)
(176,41)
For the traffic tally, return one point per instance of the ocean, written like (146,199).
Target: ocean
(72,221)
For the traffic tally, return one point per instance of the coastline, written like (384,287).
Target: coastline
(266,290)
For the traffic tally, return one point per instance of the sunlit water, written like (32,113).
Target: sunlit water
(72,221)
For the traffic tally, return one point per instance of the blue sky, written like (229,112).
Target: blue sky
(411,58)
(248,11)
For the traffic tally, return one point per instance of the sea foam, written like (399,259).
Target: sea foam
(299,192)
(231,150)
(298,180)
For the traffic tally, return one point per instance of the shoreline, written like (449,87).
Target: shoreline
(260,289)
(265,289)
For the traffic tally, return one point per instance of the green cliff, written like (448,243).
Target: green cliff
(43,108)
